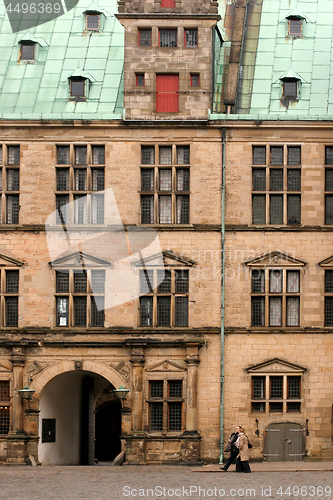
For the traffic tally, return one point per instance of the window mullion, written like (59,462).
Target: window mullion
(284,393)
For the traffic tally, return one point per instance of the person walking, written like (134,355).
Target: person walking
(233,450)
(243,458)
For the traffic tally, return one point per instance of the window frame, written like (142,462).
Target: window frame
(328,196)
(90,15)
(9,215)
(140,39)
(196,44)
(328,299)
(194,76)
(6,404)
(139,79)
(266,196)
(6,295)
(286,85)
(298,34)
(166,401)
(284,401)
(26,43)
(155,194)
(71,194)
(164,39)
(85,85)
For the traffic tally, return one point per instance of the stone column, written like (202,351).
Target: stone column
(192,360)
(137,360)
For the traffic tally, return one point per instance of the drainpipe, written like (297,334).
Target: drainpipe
(222,292)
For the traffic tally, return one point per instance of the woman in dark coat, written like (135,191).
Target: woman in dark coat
(233,450)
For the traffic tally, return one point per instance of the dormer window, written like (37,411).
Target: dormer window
(93,22)
(295,27)
(290,89)
(291,85)
(77,87)
(27,51)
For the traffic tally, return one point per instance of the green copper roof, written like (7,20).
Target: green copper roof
(40,89)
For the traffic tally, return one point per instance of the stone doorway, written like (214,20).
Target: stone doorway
(284,442)
(108,431)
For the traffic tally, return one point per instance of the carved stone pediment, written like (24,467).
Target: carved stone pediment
(5,365)
(167,366)
(276,365)
(327,262)
(8,261)
(275,259)
(79,260)
(168,259)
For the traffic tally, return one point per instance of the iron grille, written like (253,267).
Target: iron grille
(62,209)
(191,38)
(165,155)
(147,179)
(183,155)
(293,406)
(98,155)
(165,180)
(156,388)
(165,285)
(259,391)
(294,155)
(147,155)
(63,179)
(276,179)
(163,311)
(13,209)
(4,391)
(97,311)
(80,155)
(62,311)
(328,281)
(146,311)
(181,306)
(275,311)
(11,311)
(259,209)
(80,282)
(259,179)
(63,157)
(276,387)
(276,209)
(292,311)
(258,407)
(98,179)
(329,209)
(294,209)
(77,87)
(328,311)
(168,38)
(140,79)
(329,179)
(156,416)
(258,281)
(258,311)
(62,282)
(12,282)
(80,311)
(145,38)
(290,88)
(182,281)
(294,180)
(295,27)
(183,209)
(329,155)
(276,155)
(27,51)
(146,281)
(276,407)
(4,420)
(259,155)
(147,209)
(183,180)
(13,179)
(175,417)
(80,179)
(13,155)
(294,386)
(165,210)
(97,209)
(98,281)
(92,21)
(195,80)
(175,388)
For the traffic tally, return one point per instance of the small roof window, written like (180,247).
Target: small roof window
(27,51)
(295,27)
(291,83)
(77,87)
(93,21)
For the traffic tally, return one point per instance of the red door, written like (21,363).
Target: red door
(168,3)
(167,93)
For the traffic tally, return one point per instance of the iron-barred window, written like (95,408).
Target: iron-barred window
(80,175)
(92,22)
(4,407)
(165,187)
(328,297)
(166,402)
(295,27)
(276,185)
(166,304)
(168,37)
(144,37)
(191,37)
(9,294)
(80,298)
(276,393)
(27,51)
(9,184)
(329,186)
(275,297)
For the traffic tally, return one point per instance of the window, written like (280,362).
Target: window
(168,38)
(80,175)
(195,80)
(290,88)
(27,51)
(168,3)
(329,185)
(191,37)
(144,37)
(80,298)
(9,292)
(77,87)
(275,297)
(295,27)
(328,297)
(140,79)
(167,93)
(166,405)
(164,305)
(4,407)
(93,22)
(165,185)
(276,393)
(9,184)
(276,185)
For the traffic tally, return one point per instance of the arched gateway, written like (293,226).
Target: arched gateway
(70,395)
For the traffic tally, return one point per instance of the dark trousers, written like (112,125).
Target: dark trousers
(242,466)
(232,458)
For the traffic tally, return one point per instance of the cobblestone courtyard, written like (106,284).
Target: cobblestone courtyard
(164,482)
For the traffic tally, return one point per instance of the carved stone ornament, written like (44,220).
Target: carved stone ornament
(36,368)
(276,259)
(123,369)
(78,365)
(135,7)
(199,8)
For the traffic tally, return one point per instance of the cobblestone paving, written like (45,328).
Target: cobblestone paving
(159,482)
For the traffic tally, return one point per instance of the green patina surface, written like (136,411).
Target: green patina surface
(40,89)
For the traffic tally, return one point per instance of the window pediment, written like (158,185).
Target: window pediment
(276,365)
(168,259)
(275,259)
(167,366)
(79,260)
(8,261)
(326,262)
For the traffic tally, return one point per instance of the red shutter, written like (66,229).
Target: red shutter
(168,3)
(167,92)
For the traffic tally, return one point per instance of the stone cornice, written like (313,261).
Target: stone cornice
(292,330)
